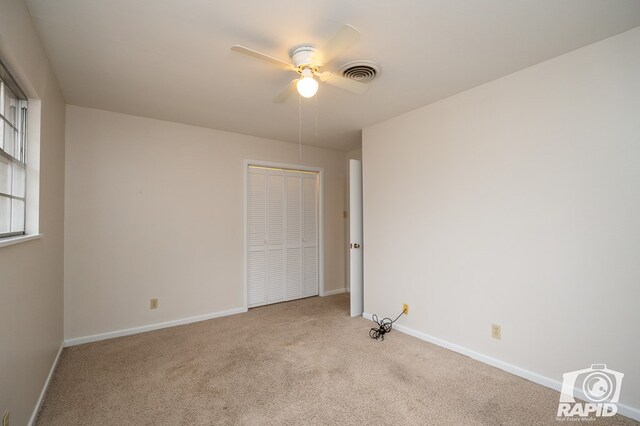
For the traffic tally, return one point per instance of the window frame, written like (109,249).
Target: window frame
(20,160)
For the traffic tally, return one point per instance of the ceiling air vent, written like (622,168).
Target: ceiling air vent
(362,71)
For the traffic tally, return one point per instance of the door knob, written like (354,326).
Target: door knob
(356,245)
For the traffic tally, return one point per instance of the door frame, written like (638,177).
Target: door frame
(245,243)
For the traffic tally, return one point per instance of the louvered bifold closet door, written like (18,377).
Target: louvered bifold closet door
(309,234)
(276,232)
(294,235)
(257,237)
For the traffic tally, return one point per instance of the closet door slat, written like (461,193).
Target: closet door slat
(256,237)
(276,234)
(310,234)
(294,235)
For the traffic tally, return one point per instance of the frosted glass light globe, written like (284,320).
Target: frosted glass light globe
(307,86)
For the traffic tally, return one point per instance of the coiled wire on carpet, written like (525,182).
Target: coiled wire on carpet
(384,326)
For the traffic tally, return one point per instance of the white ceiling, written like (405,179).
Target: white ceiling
(170,59)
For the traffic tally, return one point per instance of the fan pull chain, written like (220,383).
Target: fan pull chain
(316,112)
(300,126)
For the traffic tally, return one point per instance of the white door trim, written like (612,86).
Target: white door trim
(245,243)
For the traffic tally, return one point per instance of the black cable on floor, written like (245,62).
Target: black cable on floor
(384,326)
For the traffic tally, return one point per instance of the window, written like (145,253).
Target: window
(13,136)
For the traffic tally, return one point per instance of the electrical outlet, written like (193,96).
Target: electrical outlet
(405,309)
(496,331)
(154,303)
(5,419)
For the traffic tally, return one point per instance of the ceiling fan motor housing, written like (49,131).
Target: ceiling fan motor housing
(303,55)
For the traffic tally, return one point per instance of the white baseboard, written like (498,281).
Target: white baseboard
(623,409)
(36,410)
(336,291)
(150,327)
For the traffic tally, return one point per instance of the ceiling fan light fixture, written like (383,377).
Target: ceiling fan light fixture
(307,61)
(307,86)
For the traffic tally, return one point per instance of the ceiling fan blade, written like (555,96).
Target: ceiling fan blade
(288,91)
(254,53)
(343,83)
(343,40)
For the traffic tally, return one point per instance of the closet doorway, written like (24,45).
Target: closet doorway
(283,255)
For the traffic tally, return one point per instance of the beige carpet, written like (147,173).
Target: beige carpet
(303,362)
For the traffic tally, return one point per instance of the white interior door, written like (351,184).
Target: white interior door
(355,236)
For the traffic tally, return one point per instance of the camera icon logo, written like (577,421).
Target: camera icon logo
(598,385)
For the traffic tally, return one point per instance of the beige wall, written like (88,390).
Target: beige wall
(517,203)
(155,209)
(31,273)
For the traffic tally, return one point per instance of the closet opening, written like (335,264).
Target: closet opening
(283,241)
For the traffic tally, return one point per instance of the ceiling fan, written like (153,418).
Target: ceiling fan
(307,61)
